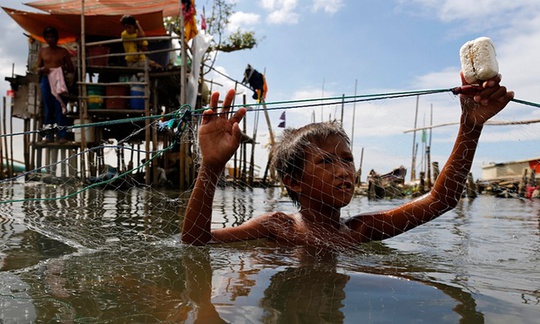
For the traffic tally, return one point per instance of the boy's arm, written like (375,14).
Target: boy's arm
(448,188)
(140,31)
(219,137)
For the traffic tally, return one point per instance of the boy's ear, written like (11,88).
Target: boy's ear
(291,183)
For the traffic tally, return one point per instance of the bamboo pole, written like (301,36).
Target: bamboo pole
(244,149)
(354,114)
(2,175)
(272,143)
(252,160)
(83,104)
(413,164)
(342,107)
(429,182)
(11,139)
(359,173)
(9,172)
(183,74)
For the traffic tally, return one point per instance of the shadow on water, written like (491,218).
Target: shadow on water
(248,283)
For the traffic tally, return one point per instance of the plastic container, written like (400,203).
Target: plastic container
(95,96)
(115,91)
(136,103)
(97,51)
(88,131)
(161,58)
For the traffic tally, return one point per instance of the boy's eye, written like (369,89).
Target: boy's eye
(327,160)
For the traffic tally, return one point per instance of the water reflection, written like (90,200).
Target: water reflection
(113,256)
(93,218)
(239,284)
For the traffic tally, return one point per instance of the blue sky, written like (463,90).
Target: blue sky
(315,48)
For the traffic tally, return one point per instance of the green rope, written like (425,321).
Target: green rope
(528,103)
(104,182)
(278,105)
(182,126)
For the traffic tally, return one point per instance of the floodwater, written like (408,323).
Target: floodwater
(106,256)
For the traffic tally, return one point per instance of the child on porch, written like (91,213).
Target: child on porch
(133,30)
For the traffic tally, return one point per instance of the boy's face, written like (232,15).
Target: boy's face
(329,173)
(131,29)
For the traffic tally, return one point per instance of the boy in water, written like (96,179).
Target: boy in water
(52,62)
(316,166)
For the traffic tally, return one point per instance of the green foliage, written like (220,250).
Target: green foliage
(238,41)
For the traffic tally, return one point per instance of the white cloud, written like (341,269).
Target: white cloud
(480,12)
(244,20)
(281,11)
(328,6)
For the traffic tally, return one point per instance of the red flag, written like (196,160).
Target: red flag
(203,23)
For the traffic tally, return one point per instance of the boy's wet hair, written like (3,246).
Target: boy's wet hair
(290,152)
(50,31)
(128,20)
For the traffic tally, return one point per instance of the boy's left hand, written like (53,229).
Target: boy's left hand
(219,135)
(480,107)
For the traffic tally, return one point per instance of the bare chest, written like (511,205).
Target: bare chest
(299,232)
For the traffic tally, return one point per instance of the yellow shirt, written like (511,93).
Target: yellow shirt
(131,46)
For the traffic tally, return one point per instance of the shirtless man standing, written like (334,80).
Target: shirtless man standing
(50,59)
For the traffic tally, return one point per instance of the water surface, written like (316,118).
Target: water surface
(113,256)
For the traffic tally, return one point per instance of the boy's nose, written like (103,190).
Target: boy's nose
(343,169)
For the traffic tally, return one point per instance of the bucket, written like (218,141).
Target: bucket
(96,51)
(116,91)
(95,96)
(88,131)
(136,103)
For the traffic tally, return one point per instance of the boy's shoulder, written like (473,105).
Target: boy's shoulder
(277,217)
(276,222)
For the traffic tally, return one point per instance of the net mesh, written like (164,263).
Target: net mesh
(59,201)
(120,257)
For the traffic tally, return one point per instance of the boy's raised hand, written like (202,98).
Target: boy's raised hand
(219,135)
(480,107)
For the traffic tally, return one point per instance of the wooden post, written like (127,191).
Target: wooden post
(183,73)
(359,172)
(2,143)
(11,139)
(83,104)
(354,116)
(428,163)
(272,143)
(435,171)
(342,107)
(153,130)
(6,150)
(471,187)
(414,146)
(522,188)
(252,158)
(30,156)
(244,152)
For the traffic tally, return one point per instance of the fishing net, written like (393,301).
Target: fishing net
(113,240)
(62,199)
